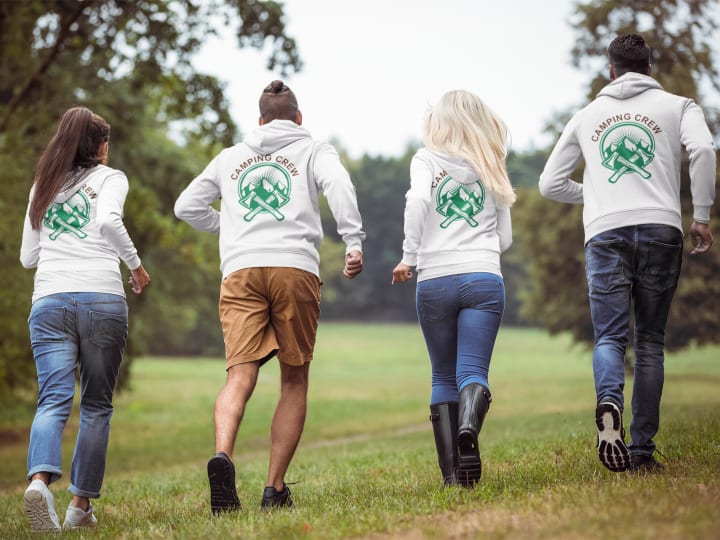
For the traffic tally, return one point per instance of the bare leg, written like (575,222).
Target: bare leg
(83,503)
(288,421)
(230,404)
(44,476)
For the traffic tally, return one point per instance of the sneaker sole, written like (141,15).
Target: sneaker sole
(276,499)
(270,505)
(612,451)
(223,495)
(36,508)
(469,468)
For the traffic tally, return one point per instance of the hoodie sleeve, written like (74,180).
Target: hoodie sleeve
(417,204)
(555,182)
(193,204)
(504,228)
(334,182)
(110,202)
(697,140)
(30,247)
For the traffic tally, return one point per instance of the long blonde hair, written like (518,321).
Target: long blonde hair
(461,124)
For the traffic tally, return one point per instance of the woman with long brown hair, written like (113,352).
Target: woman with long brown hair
(75,236)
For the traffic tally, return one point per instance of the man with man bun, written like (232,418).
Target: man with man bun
(270,232)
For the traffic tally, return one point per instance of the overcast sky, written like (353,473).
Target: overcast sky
(373,67)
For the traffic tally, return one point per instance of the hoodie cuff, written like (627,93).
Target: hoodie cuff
(701,214)
(133,262)
(410,259)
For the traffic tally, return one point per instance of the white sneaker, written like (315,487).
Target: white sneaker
(77,518)
(40,508)
(611,437)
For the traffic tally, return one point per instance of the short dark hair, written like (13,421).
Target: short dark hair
(629,52)
(278,102)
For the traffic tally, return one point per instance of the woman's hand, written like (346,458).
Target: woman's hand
(139,279)
(401,273)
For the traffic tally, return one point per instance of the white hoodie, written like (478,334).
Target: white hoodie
(81,237)
(269,214)
(631,137)
(453,225)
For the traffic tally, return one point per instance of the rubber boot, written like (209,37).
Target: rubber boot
(444,418)
(474,404)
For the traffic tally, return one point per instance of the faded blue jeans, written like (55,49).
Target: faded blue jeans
(635,267)
(68,330)
(460,317)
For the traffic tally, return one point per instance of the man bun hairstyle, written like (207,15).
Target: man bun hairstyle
(278,102)
(629,53)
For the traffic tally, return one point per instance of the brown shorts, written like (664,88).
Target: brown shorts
(264,311)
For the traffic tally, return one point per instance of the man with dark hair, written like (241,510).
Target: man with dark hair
(278,102)
(628,53)
(631,138)
(270,233)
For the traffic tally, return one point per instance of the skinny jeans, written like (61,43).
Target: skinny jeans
(460,317)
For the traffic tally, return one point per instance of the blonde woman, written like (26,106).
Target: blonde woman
(457,223)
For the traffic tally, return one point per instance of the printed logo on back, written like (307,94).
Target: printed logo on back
(70,216)
(458,201)
(627,148)
(263,189)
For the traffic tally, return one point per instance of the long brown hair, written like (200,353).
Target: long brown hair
(74,148)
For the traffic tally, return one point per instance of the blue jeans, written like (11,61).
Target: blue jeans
(633,267)
(68,330)
(460,317)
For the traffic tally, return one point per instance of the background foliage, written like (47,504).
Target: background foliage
(684,38)
(130,61)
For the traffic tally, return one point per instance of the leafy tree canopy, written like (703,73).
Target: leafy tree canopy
(131,62)
(684,39)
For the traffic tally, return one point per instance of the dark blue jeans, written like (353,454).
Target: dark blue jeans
(634,267)
(69,330)
(460,317)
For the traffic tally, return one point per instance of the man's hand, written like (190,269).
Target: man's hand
(401,273)
(701,237)
(139,279)
(353,264)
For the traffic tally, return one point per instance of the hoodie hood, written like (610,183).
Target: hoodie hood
(75,180)
(629,85)
(455,166)
(275,135)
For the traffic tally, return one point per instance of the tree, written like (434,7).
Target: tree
(130,61)
(684,37)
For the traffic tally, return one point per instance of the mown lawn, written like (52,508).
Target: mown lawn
(366,464)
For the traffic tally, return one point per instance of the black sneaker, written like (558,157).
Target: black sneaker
(221,474)
(611,437)
(272,498)
(645,463)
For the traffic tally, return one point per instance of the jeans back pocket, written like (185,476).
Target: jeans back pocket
(108,329)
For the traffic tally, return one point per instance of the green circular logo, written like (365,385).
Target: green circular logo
(626,148)
(263,189)
(70,216)
(458,201)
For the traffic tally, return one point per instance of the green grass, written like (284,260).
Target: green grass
(366,465)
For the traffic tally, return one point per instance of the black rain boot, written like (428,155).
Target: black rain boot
(474,404)
(444,418)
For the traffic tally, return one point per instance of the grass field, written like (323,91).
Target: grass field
(366,466)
